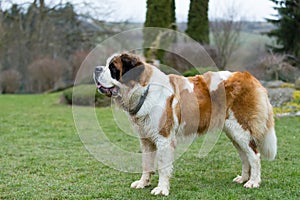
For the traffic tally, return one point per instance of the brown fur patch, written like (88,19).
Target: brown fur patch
(178,112)
(244,98)
(117,62)
(167,120)
(239,90)
(146,75)
(218,107)
(193,108)
(177,84)
(204,102)
(241,93)
(253,146)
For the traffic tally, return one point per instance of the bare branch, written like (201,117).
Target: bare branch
(226,34)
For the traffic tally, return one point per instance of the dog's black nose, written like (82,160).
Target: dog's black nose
(98,69)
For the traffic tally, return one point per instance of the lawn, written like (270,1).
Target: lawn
(42,157)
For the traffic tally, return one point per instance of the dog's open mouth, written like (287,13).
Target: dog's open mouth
(112,91)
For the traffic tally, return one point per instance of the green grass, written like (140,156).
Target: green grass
(42,157)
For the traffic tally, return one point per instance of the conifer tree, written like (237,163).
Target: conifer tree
(198,26)
(160,13)
(287,33)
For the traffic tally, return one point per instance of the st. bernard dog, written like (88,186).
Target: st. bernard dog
(190,106)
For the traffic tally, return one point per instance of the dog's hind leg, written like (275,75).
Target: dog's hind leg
(248,151)
(148,158)
(245,166)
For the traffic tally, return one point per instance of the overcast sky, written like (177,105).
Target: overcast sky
(135,10)
(255,10)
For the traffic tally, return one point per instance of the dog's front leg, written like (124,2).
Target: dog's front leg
(148,158)
(165,158)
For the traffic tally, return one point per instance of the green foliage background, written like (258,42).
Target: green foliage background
(287,33)
(198,25)
(160,13)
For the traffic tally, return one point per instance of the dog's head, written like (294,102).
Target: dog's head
(120,70)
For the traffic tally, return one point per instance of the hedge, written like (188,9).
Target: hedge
(85,95)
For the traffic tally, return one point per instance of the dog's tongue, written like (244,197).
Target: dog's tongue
(113,91)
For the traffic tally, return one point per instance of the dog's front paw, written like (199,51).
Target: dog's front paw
(139,184)
(240,179)
(252,184)
(160,190)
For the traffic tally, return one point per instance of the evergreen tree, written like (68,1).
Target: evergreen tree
(173,15)
(287,33)
(198,26)
(160,13)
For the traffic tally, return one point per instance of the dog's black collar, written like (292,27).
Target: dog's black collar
(141,102)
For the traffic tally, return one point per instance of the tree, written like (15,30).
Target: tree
(160,13)
(198,26)
(75,61)
(226,34)
(173,15)
(1,28)
(34,30)
(287,33)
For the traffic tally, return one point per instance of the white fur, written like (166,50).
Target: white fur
(151,111)
(268,146)
(217,78)
(110,58)
(159,90)
(105,78)
(148,158)
(225,74)
(188,85)
(241,140)
(165,158)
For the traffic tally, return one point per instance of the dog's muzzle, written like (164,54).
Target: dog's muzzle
(111,91)
(98,71)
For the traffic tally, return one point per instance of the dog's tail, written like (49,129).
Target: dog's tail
(268,145)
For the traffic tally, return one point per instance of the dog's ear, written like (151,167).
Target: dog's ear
(132,68)
(129,61)
(133,75)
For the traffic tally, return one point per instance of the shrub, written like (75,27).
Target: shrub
(296,96)
(289,107)
(86,95)
(288,73)
(275,67)
(200,70)
(45,73)
(10,81)
(287,85)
